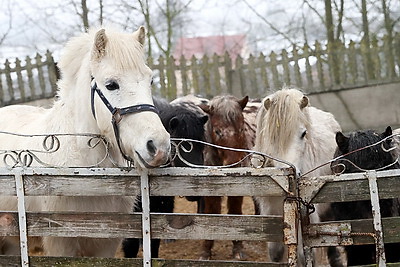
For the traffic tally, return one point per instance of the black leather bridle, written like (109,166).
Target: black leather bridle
(117,114)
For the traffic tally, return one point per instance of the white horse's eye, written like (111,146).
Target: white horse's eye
(303,134)
(112,85)
(152,81)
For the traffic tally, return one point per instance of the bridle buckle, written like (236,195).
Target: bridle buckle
(116,115)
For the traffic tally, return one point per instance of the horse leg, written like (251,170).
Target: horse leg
(60,246)
(273,206)
(212,205)
(155,247)
(235,207)
(98,247)
(130,247)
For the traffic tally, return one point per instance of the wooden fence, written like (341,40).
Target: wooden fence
(28,80)
(314,68)
(205,182)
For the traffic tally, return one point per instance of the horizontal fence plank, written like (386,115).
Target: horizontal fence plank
(115,262)
(164,226)
(167,181)
(361,231)
(349,187)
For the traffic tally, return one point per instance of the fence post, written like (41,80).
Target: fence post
(146,231)
(264,76)
(376,214)
(320,69)
(184,75)
(306,53)
(53,72)
(274,70)
(20,81)
(228,72)
(23,237)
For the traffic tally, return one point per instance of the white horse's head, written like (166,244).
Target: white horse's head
(283,127)
(113,66)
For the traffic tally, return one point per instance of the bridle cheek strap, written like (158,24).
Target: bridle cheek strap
(117,114)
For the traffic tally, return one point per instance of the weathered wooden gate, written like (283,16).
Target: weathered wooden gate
(169,181)
(195,182)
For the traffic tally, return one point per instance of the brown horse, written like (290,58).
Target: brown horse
(230,124)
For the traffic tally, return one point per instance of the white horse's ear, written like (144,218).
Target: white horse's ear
(243,102)
(140,35)
(267,103)
(304,102)
(100,42)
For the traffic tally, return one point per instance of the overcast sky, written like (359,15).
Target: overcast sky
(34,21)
(208,18)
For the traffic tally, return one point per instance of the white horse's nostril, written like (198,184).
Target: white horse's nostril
(151,147)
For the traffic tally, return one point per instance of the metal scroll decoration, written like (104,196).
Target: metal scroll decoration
(50,144)
(178,147)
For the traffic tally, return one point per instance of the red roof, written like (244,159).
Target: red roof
(200,46)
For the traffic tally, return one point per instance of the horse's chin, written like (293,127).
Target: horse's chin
(154,163)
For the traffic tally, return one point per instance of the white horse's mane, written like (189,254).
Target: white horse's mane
(124,49)
(277,124)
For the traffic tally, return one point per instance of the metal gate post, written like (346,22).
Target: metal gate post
(144,187)
(23,237)
(376,214)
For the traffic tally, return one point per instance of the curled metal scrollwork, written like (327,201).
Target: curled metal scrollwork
(178,146)
(50,144)
(338,165)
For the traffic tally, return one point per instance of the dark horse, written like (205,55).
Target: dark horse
(371,158)
(229,125)
(181,122)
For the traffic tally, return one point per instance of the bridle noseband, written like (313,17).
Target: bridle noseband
(117,114)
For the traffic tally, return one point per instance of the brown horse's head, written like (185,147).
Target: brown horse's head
(226,127)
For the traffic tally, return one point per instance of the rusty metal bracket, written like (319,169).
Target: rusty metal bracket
(332,234)
(310,187)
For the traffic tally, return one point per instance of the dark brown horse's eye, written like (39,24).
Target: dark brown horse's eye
(217,132)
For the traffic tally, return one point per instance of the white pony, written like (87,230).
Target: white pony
(103,72)
(289,129)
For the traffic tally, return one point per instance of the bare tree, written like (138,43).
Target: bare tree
(162,22)
(8,12)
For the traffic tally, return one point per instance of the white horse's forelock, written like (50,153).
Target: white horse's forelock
(125,50)
(277,125)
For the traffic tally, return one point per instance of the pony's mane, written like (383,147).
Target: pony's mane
(127,53)
(280,122)
(227,107)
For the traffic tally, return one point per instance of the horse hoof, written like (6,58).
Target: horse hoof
(205,257)
(239,256)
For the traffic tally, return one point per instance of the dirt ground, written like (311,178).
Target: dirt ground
(190,249)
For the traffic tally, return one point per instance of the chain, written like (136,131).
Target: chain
(310,207)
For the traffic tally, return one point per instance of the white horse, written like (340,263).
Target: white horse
(289,129)
(104,79)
